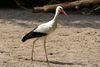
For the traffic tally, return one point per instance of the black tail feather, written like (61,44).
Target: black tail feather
(26,36)
(32,35)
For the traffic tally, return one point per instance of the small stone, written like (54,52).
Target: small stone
(51,53)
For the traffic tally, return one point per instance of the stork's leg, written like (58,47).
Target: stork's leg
(33,49)
(45,49)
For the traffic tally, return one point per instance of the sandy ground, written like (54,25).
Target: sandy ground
(75,43)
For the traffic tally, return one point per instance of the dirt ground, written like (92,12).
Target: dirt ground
(75,43)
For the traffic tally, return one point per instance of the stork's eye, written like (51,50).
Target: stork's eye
(60,9)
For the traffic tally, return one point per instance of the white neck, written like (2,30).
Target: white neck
(54,20)
(56,16)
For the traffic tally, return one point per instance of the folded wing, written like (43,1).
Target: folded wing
(32,34)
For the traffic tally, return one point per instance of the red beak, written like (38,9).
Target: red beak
(63,12)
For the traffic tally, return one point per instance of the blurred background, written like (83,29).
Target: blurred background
(93,8)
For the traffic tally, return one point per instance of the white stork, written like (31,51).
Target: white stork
(44,30)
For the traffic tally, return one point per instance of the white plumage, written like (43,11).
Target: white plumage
(46,28)
(43,30)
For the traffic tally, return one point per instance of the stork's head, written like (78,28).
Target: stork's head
(60,10)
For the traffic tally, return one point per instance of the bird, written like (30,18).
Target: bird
(43,30)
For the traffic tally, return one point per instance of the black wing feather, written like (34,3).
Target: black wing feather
(32,34)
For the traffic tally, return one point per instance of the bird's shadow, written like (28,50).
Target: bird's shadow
(61,63)
(56,62)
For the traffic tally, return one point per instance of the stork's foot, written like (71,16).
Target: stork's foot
(32,59)
(48,63)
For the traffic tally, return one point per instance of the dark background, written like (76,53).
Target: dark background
(8,4)
(33,3)
(26,3)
